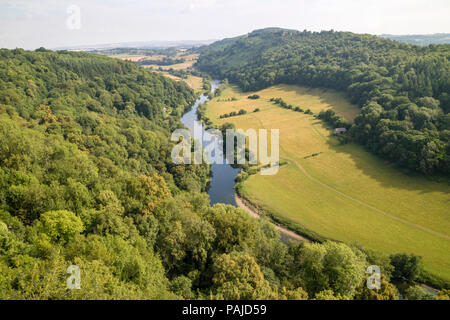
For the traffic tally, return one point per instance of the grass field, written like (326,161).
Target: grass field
(130,57)
(188,63)
(190,59)
(344,193)
(194,82)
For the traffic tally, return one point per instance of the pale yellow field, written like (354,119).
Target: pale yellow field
(180,66)
(344,193)
(130,57)
(190,60)
(170,76)
(157,57)
(196,83)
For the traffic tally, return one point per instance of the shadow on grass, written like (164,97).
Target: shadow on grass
(386,173)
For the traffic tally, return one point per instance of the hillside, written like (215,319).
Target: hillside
(402,90)
(83,156)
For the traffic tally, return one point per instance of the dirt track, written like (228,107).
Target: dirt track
(283,230)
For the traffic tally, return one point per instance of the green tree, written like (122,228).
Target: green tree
(387,291)
(331,266)
(406,267)
(235,230)
(237,276)
(329,295)
(61,225)
(418,293)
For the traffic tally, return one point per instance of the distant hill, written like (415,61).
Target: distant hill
(421,40)
(140,45)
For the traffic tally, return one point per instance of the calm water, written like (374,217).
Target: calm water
(222,181)
(221,188)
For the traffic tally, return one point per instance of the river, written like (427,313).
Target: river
(221,188)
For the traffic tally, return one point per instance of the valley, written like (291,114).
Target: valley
(357,208)
(344,193)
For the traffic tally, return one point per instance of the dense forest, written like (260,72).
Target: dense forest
(403,90)
(86,179)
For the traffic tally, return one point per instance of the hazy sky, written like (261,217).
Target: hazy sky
(33,23)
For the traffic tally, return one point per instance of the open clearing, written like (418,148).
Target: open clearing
(343,193)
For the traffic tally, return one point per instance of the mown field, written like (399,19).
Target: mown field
(194,82)
(190,60)
(343,193)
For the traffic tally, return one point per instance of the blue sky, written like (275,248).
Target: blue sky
(31,23)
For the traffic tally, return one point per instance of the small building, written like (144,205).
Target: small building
(340,131)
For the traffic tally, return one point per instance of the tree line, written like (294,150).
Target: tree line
(165,61)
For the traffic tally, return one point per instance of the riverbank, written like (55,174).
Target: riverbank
(245,205)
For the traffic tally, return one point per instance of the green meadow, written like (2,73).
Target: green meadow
(341,192)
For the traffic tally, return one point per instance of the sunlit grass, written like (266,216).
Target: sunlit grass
(345,193)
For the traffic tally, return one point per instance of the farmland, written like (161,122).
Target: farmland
(342,192)
(194,82)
